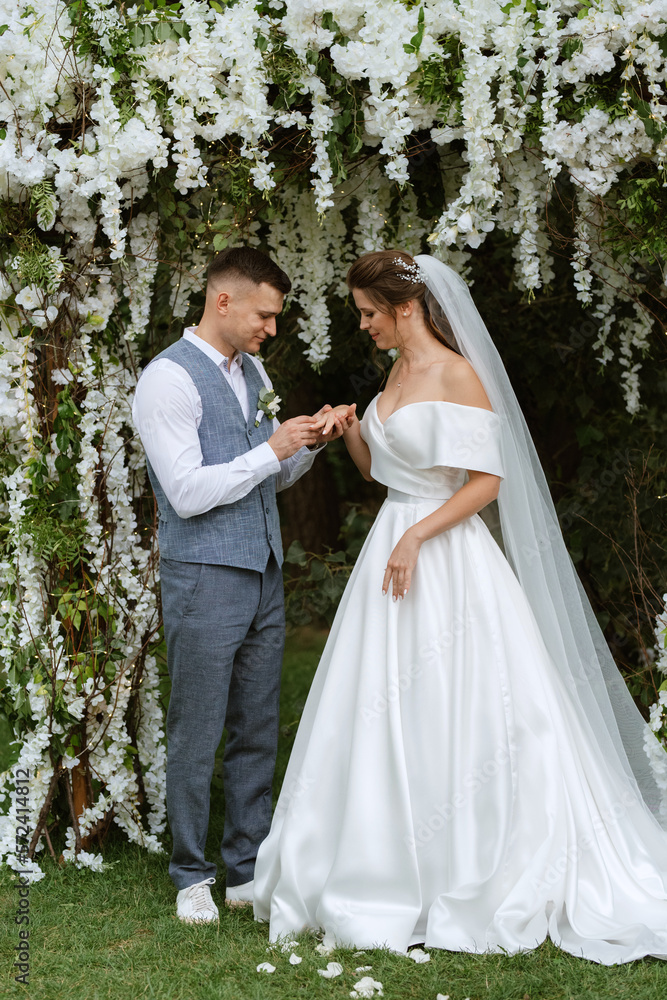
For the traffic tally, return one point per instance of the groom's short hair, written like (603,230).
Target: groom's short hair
(249,264)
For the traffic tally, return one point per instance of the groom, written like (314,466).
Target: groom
(215,474)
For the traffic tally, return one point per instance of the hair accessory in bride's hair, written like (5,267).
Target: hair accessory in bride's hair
(415,273)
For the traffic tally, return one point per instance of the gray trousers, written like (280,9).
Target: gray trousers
(225,632)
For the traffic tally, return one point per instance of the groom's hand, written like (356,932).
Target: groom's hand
(292,435)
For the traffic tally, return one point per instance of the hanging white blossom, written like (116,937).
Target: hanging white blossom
(131,138)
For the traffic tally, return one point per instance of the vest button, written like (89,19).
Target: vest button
(270,537)
(267,510)
(250,430)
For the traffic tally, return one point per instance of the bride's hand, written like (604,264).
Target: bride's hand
(331,422)
(401,564)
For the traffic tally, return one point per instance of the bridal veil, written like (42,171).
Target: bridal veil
(536,551)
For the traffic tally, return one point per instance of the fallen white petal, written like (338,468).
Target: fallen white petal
(288,946)
(295,959)
(356,954)
(367,987)
(266,967)
(333,969)
(417,955)
(363,968)
(324,949)
(441,997)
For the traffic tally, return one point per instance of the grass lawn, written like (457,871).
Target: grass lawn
(115,936)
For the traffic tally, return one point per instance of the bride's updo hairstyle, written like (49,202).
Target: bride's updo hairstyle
(388,278)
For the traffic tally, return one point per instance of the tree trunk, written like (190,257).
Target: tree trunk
(310,508)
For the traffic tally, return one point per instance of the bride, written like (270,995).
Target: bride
(470,771)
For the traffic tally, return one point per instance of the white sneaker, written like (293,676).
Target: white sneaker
(240,895)
(194,904)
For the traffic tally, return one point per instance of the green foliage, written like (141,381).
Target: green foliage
(35,263)
(441,77)
(638,220)
(43,204)
(573,406)
(314,593)
(415,42)
(153,22)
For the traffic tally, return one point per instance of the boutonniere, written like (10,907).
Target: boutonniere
(267,402)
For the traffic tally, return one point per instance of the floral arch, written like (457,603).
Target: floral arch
(138,139)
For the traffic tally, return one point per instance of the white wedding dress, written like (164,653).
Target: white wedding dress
(441,788)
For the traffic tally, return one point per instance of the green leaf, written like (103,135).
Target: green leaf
(318,570)
(219,242)
(416,40)
(3,133)
(653,130)
(163,32)
(587,433)
(62,440)
(167,206)
(261,43)
(571,47)
(296,554)
(216,6)
(3,28)
(336,557)
(341,122)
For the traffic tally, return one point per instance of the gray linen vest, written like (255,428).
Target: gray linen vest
(242,533)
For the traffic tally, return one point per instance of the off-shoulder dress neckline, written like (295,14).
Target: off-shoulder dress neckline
(424,402)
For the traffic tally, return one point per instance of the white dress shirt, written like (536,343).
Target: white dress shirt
(167,411)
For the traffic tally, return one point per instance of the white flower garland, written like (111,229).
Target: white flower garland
(202,78)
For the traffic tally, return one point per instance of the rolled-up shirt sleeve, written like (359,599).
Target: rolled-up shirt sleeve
(166,414)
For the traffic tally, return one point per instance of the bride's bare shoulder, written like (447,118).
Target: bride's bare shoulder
(461,384)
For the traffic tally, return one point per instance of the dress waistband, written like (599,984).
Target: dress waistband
(395,496)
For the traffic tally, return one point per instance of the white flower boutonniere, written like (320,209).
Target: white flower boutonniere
(267,402)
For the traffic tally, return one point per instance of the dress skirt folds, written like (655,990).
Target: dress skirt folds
(440,788)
